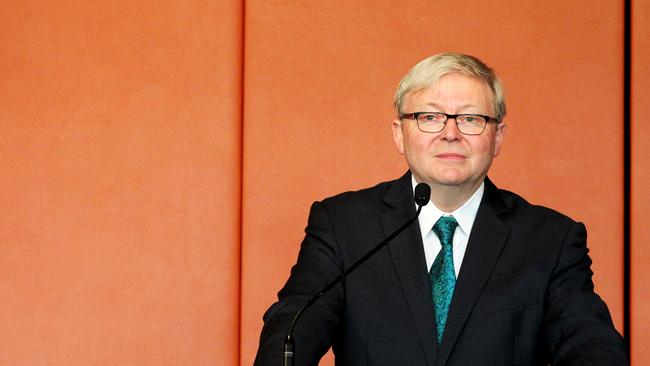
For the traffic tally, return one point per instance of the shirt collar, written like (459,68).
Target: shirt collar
(464,215)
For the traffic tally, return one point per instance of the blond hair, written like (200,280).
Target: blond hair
(428,71)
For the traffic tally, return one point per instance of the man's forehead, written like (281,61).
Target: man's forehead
(413,95)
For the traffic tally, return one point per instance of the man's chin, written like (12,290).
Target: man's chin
(451,180)
(451,183)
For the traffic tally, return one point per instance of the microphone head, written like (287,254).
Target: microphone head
(422,194)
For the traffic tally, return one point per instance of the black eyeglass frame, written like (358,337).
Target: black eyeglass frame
(415,116)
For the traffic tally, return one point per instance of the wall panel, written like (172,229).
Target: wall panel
(120,152)
(319,80)
(640,202)
(120,165)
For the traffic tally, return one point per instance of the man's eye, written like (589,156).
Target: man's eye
(472,119)
(431,117)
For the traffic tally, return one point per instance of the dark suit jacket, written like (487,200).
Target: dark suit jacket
(524,295)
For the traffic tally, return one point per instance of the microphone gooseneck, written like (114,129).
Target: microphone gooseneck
(422,196)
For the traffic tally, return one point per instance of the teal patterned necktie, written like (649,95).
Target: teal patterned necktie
(442,275)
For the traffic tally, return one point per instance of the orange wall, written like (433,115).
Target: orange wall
(640,250)
(133,232)
(120,160)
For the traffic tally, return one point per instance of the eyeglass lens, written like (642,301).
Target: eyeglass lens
(467,124)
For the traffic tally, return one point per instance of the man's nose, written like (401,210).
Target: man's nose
(450,132)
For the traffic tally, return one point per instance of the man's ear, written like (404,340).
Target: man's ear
(398,135)
(498,138)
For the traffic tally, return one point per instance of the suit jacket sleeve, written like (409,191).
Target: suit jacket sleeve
(318,264)
(578,326)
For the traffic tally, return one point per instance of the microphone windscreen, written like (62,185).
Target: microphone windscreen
(422,194)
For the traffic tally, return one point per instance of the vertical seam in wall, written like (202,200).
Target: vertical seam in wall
(627,61)
(241,175)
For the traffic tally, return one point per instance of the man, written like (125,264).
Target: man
(483,277)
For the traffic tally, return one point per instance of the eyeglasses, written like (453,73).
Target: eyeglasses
(433,122)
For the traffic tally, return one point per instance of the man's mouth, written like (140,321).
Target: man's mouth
(450,156)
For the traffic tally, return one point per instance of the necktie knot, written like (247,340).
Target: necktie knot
(445,228)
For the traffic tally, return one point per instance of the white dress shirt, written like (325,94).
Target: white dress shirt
(464,215)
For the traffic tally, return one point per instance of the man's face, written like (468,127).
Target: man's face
(449,158)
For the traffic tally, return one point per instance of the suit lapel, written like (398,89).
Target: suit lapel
(407,253)
(486,241)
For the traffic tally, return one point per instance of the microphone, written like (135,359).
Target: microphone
(422,196)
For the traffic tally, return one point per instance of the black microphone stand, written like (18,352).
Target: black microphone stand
(422,194)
